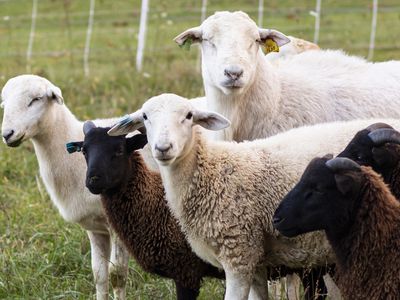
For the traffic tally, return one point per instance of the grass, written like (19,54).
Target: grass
(42,256)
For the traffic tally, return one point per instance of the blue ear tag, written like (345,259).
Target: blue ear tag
(73,147)
(125,121)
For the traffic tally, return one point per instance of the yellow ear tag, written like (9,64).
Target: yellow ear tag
(270,46)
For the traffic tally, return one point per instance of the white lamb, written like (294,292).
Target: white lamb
(33,109)
(224,193)
(262,99)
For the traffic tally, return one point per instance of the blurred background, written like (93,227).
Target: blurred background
(43,257)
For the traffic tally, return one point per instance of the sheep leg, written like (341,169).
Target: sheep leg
(184,293)
(259,287)
(100,254)
(118,267)
(237,286)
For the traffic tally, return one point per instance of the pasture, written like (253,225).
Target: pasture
(42,256)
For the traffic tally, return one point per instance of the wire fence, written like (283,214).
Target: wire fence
(133,31)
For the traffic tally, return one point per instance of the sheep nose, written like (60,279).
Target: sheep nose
(93,179)
(276,220)
(164,147)
(7,134)
(233,72)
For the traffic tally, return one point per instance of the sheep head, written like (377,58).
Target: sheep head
(107,157)
(169,120)
(27,101)
(230,46)
(323,199)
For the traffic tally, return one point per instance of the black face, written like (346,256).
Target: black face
(107,158)
(322,200)
(382,157)
(360,149)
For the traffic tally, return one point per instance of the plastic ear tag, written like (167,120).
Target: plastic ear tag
(270,46)
(186,44)
(73,147)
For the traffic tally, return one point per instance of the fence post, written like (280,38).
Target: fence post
(317,14)
(88,36)
(31,36)
(142,34)
(373,29)
(202,18)
(260,12)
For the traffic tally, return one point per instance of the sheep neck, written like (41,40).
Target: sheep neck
(130,205)
(248,109)
(175,177)
(62,173)
(393,178)
(363,250)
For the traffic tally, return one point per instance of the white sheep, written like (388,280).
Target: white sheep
(262,99)
(33,109)
(224,194)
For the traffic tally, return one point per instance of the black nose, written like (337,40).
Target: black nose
(7,134)
(163,148)
(276,220)
(233,72)
(93,179)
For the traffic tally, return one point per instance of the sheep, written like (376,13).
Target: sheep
(361,218)
(378,147)
(33,109)
(134,201)
(262,99)
(224,194)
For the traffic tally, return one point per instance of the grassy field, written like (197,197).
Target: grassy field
(43,257)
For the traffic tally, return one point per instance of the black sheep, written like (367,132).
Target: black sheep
(134,201)
(361,218)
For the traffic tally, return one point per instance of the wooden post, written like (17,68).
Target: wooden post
(142,35)
(31,36)
(373,29)
(88,36)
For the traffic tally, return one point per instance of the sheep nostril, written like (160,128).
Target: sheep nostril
(276,220)
(163,148)
(233,72)
(94,179)
(7,134)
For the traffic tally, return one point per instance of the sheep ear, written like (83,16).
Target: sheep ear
(267,35)
(210,120)
(87,126)
(74,147)
(188,37)
(136,142)
(127,124)
(54,93)
(344,183)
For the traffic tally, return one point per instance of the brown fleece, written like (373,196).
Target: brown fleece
(369,253)
(139,214)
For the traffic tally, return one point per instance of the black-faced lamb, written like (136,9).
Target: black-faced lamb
(361,218)
(134,201)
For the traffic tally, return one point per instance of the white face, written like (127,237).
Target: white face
(230,44)
(25,100)
(169,119)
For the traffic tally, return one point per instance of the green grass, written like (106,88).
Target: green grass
(43,257)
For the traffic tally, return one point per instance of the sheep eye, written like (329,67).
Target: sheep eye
(144,116)
(34,99)
(189,115)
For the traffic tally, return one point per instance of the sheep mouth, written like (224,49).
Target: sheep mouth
(165,160)
(233,84)
(287,231)
(16,143)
